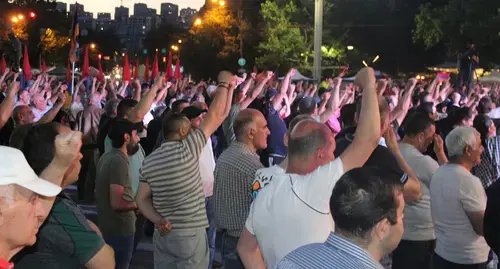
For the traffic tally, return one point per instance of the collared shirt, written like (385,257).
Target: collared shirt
(234,173)
(336,252)
(6,265)
(488,170)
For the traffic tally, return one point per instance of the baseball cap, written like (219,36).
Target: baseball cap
(122,126)
(14,169)
(307,105)
(192,112)
(271,93)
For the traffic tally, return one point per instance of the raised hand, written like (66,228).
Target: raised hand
(438,144)
(68,148)
(365,78)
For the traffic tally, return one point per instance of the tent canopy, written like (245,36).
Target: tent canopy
(297,76)
(492,77)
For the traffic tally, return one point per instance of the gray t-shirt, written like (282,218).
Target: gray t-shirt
(455,191)
(417,215)
(227,125)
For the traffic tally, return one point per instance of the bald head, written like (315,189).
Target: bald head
(175,126)
(307,137)
(244,119)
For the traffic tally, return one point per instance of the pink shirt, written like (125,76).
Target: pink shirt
(334,123)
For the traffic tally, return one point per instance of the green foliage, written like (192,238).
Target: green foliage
(453,22)
(283,42)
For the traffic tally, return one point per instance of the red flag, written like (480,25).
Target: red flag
(43,67)
(254,70)
(100,76)
(136,69)
(155,71)
(3,65)
(68,72)
(146,70)
(177,74)
(26,65)
(126,69)
(86,67)
(169,67)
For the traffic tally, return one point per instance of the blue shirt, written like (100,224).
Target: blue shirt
(278,129)
(336,252)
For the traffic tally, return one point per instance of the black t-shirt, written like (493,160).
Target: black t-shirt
(381,157)
(6,131)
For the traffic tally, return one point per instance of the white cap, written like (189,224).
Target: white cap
(211,89)
(14,169)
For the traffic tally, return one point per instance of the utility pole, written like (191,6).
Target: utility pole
(318,37)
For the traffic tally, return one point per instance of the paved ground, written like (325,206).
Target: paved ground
(143,257)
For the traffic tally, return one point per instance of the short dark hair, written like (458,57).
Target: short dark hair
(172,123)
(39,145)
(176,106)
(347,114)
(484,106)
(124,107)
(118,129)
(418,122)
(459,115)
(361,198)
(426,108)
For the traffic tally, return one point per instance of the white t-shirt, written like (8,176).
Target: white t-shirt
(454,191)
(207,167)
(263,177)
(75,108)
(39,114)
(293,211)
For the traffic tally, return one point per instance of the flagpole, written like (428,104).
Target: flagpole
(72,77)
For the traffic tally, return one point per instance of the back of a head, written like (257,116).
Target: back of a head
(460,115)
(347,115)
(417,123)
(458,139)
(307,137)
(296,120)
(177,106)
(125,106)
(307,105)
(482,124)
(18,110)
(426,108)
(172,123)
(484,106)
(363,197)
(38,145)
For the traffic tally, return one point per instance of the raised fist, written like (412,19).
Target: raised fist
(365,78)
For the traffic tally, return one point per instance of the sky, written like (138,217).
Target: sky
(109,5)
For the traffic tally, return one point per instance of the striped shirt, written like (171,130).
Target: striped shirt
(173,173)
(335,253)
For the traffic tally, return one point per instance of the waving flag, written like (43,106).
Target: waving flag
(86,66)
(3,65)
(73,53)
(126,68)
(26,65)
(146,70)
(169,67)
(155,71)
(136,69)
(177,74)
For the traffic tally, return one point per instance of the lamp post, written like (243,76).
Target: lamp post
(318,37)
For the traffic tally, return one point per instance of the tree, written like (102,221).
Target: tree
(453,22)
(283,43)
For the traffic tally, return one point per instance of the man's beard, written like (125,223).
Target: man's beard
(132,149)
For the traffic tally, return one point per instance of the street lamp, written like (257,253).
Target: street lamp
(20,16)
(32,15)
(222,3)
(214,1)
(350,47)
(92,46)
(197,22)
(179,41)
(15,20)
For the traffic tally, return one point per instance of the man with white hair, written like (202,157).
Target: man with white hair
(25,198)
(458,203)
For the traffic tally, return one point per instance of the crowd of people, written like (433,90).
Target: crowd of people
(291,174)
